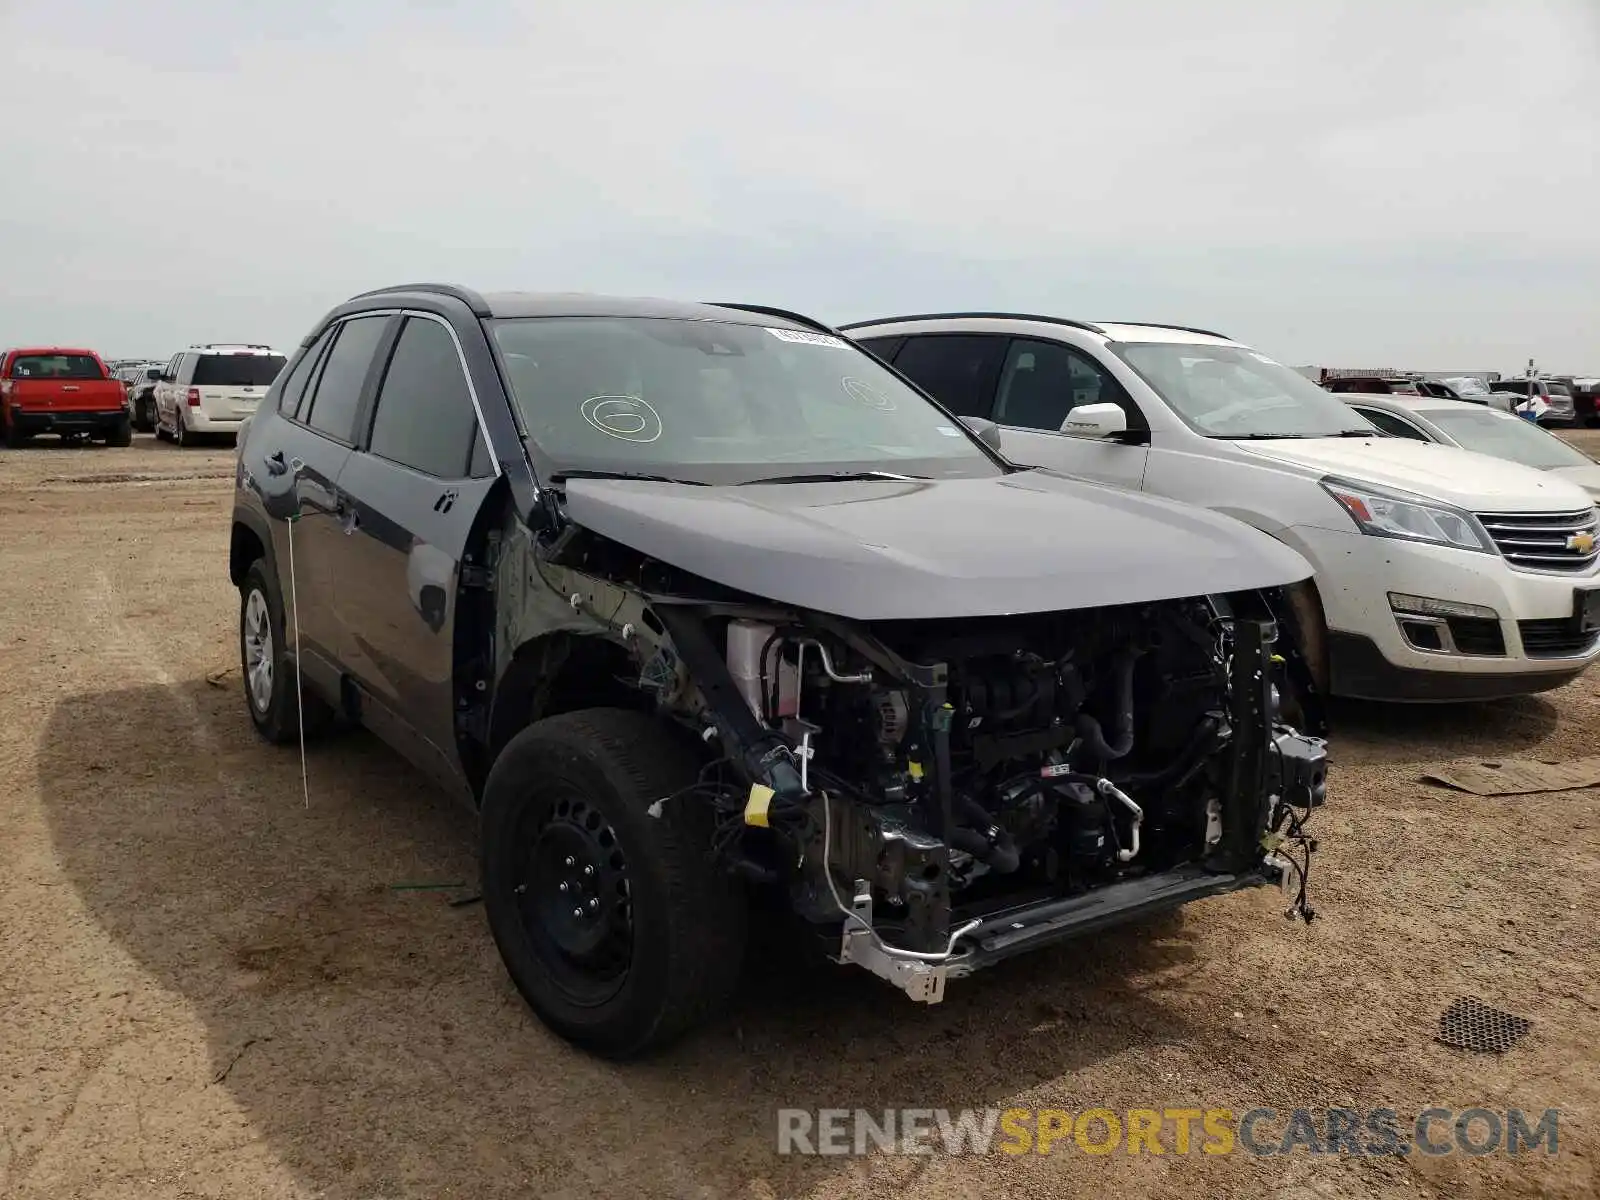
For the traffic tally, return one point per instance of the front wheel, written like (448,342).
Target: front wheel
(616,924)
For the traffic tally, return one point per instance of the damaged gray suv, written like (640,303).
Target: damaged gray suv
(698,602)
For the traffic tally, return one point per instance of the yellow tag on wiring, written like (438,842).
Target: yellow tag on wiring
(914,769)
(755,808)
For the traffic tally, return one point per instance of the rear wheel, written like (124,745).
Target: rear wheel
(270,683)
(14,436)
(616,925)
(122,434)
(144,417)
(180,430)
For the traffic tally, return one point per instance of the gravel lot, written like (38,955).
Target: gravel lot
(210,988)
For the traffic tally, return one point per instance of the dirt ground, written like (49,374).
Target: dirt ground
(210,988)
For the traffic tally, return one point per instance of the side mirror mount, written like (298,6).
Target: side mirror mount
(986,431)
(1095,421)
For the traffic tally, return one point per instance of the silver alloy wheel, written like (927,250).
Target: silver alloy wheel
(258,661)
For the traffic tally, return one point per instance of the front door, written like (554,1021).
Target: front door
(1041,382)
(414,491)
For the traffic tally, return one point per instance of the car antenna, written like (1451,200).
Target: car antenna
(299,704)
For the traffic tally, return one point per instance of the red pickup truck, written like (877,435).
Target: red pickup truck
(53,389)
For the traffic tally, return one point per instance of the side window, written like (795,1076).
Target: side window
(958,370)
(1393,425)
(171,369)
(424,417)
(882,347)
(1043,381)
(186,363)
(294,384)
(338,391)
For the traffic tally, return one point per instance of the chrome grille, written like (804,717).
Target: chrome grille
(1545,541)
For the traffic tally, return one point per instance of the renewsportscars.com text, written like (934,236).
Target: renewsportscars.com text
(1263,1132)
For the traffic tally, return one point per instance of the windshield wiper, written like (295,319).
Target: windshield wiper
(833,477)
(563,476)
(1359,433)
(1260,437)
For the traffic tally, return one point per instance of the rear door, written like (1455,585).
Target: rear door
(957,369)
(415,488)
(296,462)
(231,383)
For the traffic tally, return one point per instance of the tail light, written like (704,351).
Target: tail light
(194,397)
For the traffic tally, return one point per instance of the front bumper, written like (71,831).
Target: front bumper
(1018,931)
(36,421)
(1370,657)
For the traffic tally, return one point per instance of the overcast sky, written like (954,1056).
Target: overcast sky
(1407,183)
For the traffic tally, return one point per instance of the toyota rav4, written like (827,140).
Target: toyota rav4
(694,601)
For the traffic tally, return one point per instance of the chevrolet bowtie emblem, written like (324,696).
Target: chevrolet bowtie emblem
(1581,542)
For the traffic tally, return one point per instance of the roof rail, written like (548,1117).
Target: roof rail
(1164,325)
(230,346)
(1001,316)
(763,310)
(466,295)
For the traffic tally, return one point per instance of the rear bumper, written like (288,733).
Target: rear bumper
(1021,930)
(99,421)
(198,421)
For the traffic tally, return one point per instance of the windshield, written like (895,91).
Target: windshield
(1505,436)
(1232,392)
(720,402)
(55,366)
(237,370)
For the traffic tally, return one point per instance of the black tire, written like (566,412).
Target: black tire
(181,436)
(669,932)
(122,435)
(144,415)
(15,438)
(277,719)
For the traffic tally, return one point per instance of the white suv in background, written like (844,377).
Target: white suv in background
(210,390)
(1441,574)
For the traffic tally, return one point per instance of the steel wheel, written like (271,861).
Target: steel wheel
(259,663)
(574,899)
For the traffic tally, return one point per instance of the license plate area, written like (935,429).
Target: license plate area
(1588,609)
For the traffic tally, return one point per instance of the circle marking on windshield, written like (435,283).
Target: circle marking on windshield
(626,418)
(865,393)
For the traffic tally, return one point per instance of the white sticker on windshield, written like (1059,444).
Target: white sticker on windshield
(806,338)
(948,430)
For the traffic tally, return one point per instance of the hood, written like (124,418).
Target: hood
(892,549)
(1460,477)
(1585,475)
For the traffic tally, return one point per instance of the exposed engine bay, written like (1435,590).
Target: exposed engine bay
(947,793)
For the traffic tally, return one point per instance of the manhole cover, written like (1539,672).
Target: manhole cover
(1471,1024)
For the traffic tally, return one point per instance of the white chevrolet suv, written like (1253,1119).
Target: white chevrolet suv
(210,390)
(1441,574)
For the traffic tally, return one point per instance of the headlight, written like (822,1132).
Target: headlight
(1385,513)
